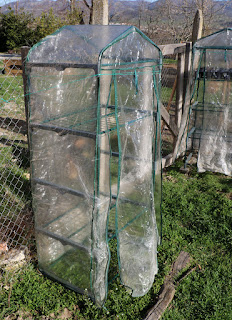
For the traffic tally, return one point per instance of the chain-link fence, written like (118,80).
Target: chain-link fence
(168,99)
(16,222)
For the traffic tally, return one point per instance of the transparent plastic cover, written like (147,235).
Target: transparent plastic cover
(95,155)
(211,120)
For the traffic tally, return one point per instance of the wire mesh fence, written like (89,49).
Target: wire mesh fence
(16,221)
(168,96)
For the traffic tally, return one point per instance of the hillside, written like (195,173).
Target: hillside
(146,15)
(36,6)
(123,9)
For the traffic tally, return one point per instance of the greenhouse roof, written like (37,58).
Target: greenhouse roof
(78,44)
(219,40)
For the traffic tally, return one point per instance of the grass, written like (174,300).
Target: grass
(169,61)
(197,218)
(12,96)
(72,267)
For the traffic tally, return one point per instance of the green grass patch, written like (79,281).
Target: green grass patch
(165,95)
(169,61)
(74,267)
(197,218)
(199,211)
(12,96)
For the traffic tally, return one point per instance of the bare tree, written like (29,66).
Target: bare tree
(142,11)
(75,14)
(173,19)
(211,11)
(89,9)
(98,11)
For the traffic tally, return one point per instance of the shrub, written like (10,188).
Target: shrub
(15,30)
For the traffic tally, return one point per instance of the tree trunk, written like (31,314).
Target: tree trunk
(99,12)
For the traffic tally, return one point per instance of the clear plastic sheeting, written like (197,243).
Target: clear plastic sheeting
(95,156)
(84,44)
(137,232)
(210,126)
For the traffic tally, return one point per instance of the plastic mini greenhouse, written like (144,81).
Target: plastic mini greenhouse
(95,155)
(210,126)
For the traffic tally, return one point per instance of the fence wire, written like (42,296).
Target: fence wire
(16,219)
(168,99)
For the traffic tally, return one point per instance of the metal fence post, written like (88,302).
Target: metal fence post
(24,53)
(180,88)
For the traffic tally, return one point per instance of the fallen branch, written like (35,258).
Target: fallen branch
(168,290)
